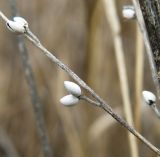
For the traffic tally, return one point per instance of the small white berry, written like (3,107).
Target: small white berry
(73,88)
(15,27)
(20,20)
(149,97)
(128,12)
(69,100)
(18,25)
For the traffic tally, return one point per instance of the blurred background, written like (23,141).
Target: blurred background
(78,33)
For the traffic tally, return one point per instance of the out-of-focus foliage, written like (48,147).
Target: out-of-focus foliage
(77,32)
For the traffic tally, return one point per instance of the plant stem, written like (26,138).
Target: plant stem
(90,101)
(103,104)
(111,11)
(37,105)
(138,78)
(144,32)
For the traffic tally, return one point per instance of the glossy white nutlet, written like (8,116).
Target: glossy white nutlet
(69,100)
(73,88)
(18,25)
(15,27)
(149,97)
(128,12)
(20,20)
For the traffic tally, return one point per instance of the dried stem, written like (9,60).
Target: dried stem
(3,17)
(147,45)
(90,101)
(37,105)
(155,110)
(103,104)
(138,78)
(110,10)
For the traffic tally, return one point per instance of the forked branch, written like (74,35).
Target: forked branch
(102,104)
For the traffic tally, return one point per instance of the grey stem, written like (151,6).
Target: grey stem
(102,103)
(156,110)
(37,105)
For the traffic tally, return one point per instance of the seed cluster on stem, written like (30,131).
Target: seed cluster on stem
(99,101)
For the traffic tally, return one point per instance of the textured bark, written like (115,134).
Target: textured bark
(151,14)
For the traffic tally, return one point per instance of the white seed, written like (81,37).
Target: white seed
(69,100)
(18,25)
(72,88)
(15,27)
(128,12)
(149,97)
(21,20)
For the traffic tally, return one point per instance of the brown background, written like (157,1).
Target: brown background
(77,32)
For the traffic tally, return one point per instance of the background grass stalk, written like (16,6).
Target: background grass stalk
(138,78)
(103,104)
(110,9)
(36,102)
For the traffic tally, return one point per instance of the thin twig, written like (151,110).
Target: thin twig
(155,109)
(138,78)
(90,101)
(103,104)
(111,11)
(3,17)
(147,45)
(37,105)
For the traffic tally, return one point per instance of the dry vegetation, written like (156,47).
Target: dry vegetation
(79,34)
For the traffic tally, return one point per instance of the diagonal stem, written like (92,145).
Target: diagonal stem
(148,46)
(103,104)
